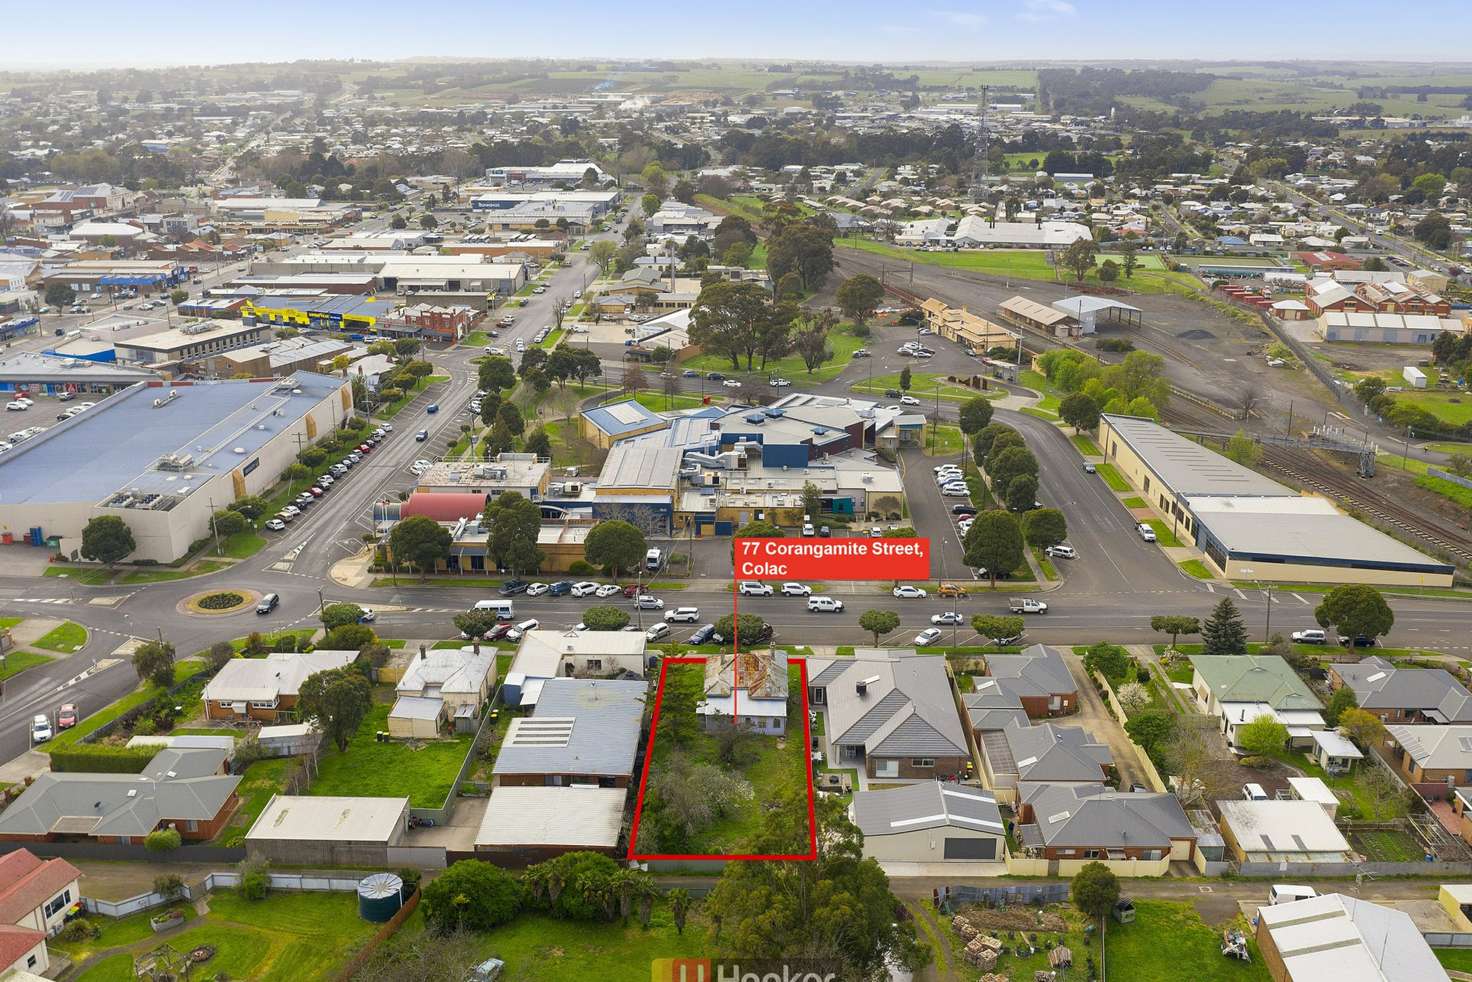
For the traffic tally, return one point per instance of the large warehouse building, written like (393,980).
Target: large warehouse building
(1251,527)
(160,457)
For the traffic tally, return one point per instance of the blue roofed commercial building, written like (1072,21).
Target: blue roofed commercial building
(618,421)
(106,276)
(161,457)
(1250,527)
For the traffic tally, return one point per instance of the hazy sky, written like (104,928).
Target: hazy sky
(150,33)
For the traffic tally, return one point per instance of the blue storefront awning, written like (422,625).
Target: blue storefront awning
(131,280)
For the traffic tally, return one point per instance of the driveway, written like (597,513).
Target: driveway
(1093,715)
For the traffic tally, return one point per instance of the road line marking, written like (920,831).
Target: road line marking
(1239,593)
(1299,599)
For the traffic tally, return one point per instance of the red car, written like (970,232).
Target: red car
(364,448)
(631,591)
(66,716)
(498,632)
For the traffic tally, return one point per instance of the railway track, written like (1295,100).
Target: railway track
(1352,493)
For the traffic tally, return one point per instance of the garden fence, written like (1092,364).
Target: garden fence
(220,880)
(1010,895)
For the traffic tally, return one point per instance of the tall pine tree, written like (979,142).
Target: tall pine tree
(1223,633)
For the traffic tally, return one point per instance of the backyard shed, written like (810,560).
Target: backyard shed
(300,830)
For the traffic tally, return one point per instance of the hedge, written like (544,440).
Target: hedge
(102,758)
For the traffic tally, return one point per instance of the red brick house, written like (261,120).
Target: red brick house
(266,689)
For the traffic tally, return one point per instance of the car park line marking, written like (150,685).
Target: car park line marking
(43,600)
(1240,594)
(1299,599)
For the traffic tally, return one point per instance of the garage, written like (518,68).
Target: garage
(930,822)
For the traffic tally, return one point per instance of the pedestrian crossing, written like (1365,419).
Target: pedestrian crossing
(43,600)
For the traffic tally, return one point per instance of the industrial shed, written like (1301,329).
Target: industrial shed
(302,830)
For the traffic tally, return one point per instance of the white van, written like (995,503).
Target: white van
(653,560)
(1286,893)
(1254,792)
(516,632)
(501,607)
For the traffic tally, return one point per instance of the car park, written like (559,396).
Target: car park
(1062,551)
(536,589)
(908,591)
(1145,532)
(796,590)
(827,605)
(683,615)
(928,636)
(948,618)
(584,589)
(748,588)
(647,601)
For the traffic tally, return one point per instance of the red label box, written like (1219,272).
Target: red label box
(832,559)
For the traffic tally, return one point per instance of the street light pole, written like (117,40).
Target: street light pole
(321,610)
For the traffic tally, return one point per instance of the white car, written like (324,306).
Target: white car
(1062,551)
(778,383)
(928,636)
(907,591)
(40,728)
(955,491)
(948,618)
(607,590)
(276,525)
(16,406)
(731,383)
(750,589)
(369,616)
(647,601)
(908,400)
(516,632)
(1146,532)
(683,615)
(827,605)
(536,589)
(584,589)
(796,590)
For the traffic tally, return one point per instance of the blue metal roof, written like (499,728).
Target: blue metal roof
(622,417)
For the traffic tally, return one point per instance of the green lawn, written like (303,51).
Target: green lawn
(476,339)
(86,575)
(1045,563)
(661,402)
(1163,535)
(409,579)
(538,948)
(392,409)
(1196,568)
(1134,501)
(287,936)
(66,637)
(776,768)
(742,205)
(1447,489)
(197,568)
(182,671)
(841,340)
(260,781)
(302,634)
(1459,959)
(1085,445)
(8,622)
(117,931)
(16,662)
(550,341)
(1168,941)
(1112,477)
(943,440)
(369,769)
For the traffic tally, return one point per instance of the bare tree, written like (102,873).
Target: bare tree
(1193,753)
(1251,395)
(429,958)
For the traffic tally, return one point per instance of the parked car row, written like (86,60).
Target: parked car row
(325,481)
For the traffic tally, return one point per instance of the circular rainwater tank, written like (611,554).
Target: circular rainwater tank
(379,897)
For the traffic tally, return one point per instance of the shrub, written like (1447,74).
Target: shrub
(471,895)
(162,840)
(80,929)
(220,653)
(580,567)
(171,885)
(220,601)
(255,879)
(103,758)
(1257,763)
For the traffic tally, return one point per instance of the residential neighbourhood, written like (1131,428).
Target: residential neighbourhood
(828,495)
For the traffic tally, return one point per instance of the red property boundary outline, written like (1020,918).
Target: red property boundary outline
(810,855)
